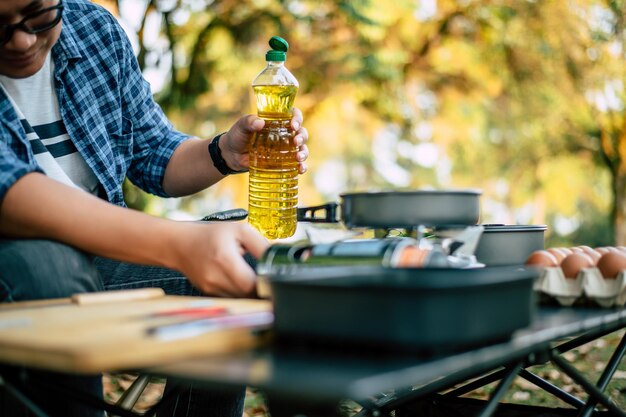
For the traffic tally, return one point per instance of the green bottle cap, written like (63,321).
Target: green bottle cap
(275,56)
(279,44)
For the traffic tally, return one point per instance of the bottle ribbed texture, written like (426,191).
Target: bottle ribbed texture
(273,181)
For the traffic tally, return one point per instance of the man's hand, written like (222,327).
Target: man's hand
(235,143)
(191,169)
(210,256)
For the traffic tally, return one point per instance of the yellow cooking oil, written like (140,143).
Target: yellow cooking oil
(273,181)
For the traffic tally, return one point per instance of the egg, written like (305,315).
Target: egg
(610,264)
(602,250)
(574,263)
(558,254)
(593,254)
(566,251)
(542,258)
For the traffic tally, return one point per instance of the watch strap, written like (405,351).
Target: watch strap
(218,160)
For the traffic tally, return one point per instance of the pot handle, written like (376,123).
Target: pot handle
(310,214)
(227,215)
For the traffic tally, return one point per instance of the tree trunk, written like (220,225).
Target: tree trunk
(618,210)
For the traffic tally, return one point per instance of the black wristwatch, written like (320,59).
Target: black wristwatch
(218,160)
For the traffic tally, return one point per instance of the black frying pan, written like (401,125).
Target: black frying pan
(388,209)
(399,209)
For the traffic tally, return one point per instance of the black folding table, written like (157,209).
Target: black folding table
(311,380)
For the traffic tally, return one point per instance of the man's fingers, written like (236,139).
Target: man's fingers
(242,275)
(244,127)
(301,137)
(248,124)
(237,138)
(296,120)
(303,153)
(239,275)
(231,275)
(252,241)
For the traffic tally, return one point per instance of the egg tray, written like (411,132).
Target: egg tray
(589,285)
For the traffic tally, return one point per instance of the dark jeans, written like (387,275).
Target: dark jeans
(41,269)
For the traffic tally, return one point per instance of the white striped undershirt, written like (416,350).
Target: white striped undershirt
(35,101)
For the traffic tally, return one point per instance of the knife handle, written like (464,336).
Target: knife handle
(91,298)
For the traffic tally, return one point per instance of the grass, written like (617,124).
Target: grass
(589,359)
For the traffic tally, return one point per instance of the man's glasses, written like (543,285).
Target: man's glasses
(37,22)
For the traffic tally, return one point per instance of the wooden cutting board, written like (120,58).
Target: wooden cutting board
(110,331)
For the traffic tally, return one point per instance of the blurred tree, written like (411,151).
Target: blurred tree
(565,94)
(521,87)
(524,99)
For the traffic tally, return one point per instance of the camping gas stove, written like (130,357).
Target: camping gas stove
(452,249)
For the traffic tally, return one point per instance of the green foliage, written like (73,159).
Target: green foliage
(511,97)
(352,10)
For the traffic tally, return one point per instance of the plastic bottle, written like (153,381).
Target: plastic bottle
(273,180)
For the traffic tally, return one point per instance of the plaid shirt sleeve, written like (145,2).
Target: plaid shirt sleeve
(13,154)
(11,168)
(154,137)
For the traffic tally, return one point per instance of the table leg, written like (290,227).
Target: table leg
(481,382)
(606,376)
(500,390)
(529,376)
(552,389)
(394,401)
(129,398)
(582,340)
(506,377)
(591,389)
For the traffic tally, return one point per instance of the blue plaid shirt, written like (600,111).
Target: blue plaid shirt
(106,105)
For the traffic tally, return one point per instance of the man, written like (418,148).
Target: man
(76,118)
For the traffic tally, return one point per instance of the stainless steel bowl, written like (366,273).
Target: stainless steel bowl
(502,244)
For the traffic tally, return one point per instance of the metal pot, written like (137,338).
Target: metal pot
(502,244)
(400,209)
(423,311)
